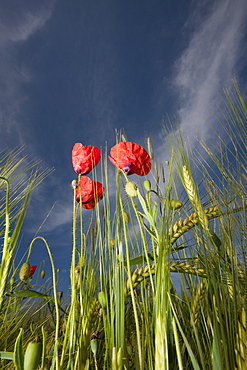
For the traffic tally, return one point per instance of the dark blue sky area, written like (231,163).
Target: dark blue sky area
(97,68)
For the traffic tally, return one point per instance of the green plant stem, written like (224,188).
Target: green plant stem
(132,291)
(7,252)
(55,298)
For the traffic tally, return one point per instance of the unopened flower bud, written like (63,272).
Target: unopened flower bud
(147,185)
(42,274)
(32,355)
(24,271)
(74,184)
(175,204)
(131,189)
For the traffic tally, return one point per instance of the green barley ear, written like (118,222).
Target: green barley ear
(150,147)
(197,302)
(241,343)
(182,226)
(194,198)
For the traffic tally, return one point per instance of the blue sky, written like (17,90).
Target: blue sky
(75,71)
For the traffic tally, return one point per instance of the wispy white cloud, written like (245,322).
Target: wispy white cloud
(18,22)
(209,61)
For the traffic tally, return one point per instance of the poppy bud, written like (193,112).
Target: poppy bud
(74,184)
(131,189)
(175,204)
(42,274)
(25,271)
(147,185)
(32,355)
(126,217)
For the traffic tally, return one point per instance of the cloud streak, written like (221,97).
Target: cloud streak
(17,24)
(209,62)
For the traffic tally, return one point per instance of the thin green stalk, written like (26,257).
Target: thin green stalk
(7,252)
(70,333)
(132,290)
(56,353)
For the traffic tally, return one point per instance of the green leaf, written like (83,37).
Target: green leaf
(18,351)
(140,260)
(215,239)
(150,231)
(33,294)
(7,356)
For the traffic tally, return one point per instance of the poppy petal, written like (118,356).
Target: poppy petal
(32,269)
(89,192)
(85,158)
(131,158)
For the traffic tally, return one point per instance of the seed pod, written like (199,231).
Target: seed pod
(147,185)
(25,271)
(175,204)
(131,189)
(74,184)
(42,274)
(32,355)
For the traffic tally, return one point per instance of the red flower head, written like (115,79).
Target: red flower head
(131,158)
(32,269)
(89,192)
(85,158)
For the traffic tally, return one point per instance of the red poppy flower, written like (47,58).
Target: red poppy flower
(32,269)
(131,158)
(89,192)
(85,158)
